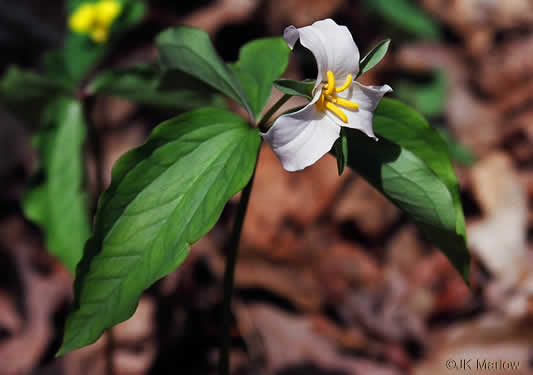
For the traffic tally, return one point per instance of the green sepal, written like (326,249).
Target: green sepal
(341,151)
(296,88)
(373,57)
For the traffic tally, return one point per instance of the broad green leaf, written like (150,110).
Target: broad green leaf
(411,165)
(341,151)
(55,199)
(163,197)
(296,88)
(189,50)
(26,93)
(260,63)
(374,57)
(142,84)
(407,16)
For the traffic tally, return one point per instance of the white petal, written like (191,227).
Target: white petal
(332,45)
(367,97)
(299,139)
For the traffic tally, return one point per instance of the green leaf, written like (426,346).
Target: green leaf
(341,151)
(80,54)
(21,85)
(163,197)
(55,199)
(26,93)
(374,57)
(142,84)
(261,62)
(189,50)
(296,88)
(410,164)
(407,16)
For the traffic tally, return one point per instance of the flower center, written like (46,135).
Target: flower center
(330,101)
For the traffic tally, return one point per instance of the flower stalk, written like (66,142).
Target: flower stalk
(263,123)
(229,277)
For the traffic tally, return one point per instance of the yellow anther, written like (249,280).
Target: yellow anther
(83,18)
(337,111)
(346,84)
(346,103)
(320,103)
(331,83)
(329,100)
(107,11)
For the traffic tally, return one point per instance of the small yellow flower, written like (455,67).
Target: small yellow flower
(95,19)
(107,11)
(82,19)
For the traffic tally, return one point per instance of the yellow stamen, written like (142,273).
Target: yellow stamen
(346,84)
(330,101)
(331,83)
(337,111)
(320,103)
(346,103)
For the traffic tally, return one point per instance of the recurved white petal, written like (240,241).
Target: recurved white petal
(299,139)
(367,97)
(331,44)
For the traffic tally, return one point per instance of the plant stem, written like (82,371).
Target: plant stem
(272,110)
(94,143)
(97,153)
(231,260)
(110,351)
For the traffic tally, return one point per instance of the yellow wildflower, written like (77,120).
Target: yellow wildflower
(83,18)
(95,19)
(107,11)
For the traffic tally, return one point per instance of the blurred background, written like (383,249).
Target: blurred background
(332,278)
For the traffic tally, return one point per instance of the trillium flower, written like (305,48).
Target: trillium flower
(299,139)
